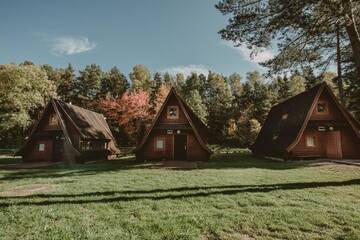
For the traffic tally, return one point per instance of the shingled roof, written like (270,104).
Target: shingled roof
(90,125)
(288,131)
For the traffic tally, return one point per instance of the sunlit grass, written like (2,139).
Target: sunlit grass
(234,196)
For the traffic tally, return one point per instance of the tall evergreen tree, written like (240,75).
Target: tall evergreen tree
(194,100)
(141,78)
(65,88)
(87,85)
(310,79)
(306,31)
(168,79)
(218,104)
(113,84)
(154,91)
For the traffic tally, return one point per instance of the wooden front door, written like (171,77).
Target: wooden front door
(180,146)
(58,149)
(333,145)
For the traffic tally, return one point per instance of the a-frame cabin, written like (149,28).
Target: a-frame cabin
(312,124)
(176,133)
(66,132)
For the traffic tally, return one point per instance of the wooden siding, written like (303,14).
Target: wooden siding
(348,144)
(33,154)
(195,152)
(333,111)
(163,116)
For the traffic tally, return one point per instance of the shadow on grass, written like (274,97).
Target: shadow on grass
(162,194)
(218,161)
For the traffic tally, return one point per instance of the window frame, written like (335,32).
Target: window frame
(284,116)
(326,108)
(41,144)
(168,112)
(314,137)
(51,122)
(88,145)
(155,144)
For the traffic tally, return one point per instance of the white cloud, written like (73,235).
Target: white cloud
(69,45)
(260,56)
(186,69)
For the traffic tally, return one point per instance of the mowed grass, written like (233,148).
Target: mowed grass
(234,196)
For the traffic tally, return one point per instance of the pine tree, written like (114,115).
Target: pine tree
(141,78)
(194,100)
(310,79)
(87,85)
(154,93)
(218,102)
(114,84)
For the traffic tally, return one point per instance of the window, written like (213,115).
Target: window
(103,146)
(41,147)
(284,116)
(311,141)
(322,107)
(85,145)
(159,144)
(321,129)
(275,136)
(173,112)
(53,120)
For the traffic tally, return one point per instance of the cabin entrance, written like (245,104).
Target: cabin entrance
(333,145)
(58,149)
(180,147)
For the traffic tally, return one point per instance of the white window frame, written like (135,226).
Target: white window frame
(168,112)
(156,147)
(41,147)
(311,141)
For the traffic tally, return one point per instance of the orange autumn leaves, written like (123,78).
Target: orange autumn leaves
(132,109)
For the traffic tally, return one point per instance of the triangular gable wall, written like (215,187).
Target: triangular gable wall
(69,149)
(344,112)
(183,109)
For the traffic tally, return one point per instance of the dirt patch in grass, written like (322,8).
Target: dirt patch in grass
(27,190)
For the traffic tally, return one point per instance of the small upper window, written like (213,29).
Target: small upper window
(310,141)
(275,136)
(284,116)
(53,120)
(159,144)
(173,112)
(322,107)
(41,147)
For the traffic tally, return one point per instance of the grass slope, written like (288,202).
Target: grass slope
(234,196)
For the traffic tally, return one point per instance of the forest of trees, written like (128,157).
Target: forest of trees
(234,107)
(311,38)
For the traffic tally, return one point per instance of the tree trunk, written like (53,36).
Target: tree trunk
(338,60)
(353,34)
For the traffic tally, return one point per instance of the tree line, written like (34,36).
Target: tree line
(234,107)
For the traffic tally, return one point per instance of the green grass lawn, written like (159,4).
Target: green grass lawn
(234,196)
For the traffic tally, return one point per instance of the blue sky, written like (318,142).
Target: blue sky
(164,35)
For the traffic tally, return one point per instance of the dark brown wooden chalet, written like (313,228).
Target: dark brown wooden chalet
(312,124)
(176,133)
(66,132)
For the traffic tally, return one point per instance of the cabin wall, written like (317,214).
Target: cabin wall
(33,154)
(163,116)
(350,144)
(301,150)
(194,151)
(148,151)
(333,111)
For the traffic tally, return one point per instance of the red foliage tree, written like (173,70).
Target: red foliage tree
(131,111)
